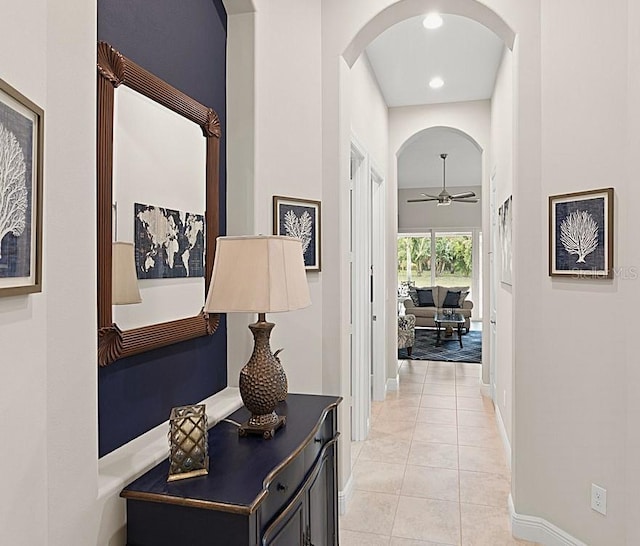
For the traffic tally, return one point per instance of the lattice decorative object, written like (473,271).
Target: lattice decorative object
(188,446)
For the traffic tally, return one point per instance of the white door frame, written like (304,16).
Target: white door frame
(379,287)
(360,257)
(492,240)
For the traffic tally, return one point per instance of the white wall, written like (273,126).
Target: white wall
(74,514)
(265,161)
(417,217)
(369,117)
(570,374)
(630,291)
(23,319)
(501,168)
(369,114)
(287,162)
(48,392)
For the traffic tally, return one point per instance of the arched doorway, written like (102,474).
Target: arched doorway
(339,76)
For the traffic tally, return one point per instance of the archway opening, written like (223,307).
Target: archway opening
(502,161)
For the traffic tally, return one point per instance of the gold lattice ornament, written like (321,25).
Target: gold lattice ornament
(188,445)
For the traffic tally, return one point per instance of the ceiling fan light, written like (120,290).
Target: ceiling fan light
(432,21)
(443,203)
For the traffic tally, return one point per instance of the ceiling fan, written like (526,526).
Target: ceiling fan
(444,198)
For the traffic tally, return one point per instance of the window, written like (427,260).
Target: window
(414,259)
(453,259)
(445,258)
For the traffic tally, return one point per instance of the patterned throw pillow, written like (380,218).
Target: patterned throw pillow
(413,294)
(425,297)
(452,299)
(463,296)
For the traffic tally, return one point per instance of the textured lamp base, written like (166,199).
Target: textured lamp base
(263,384)
(266,430)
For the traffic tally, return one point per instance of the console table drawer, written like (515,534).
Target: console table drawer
(324,434)
(282,488)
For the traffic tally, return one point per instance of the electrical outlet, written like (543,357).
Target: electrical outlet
(599,499)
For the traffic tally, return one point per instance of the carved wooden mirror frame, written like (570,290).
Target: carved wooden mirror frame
(114,69)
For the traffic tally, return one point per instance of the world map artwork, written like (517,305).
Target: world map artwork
(169,243)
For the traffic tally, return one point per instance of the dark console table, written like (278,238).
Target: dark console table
(279,492)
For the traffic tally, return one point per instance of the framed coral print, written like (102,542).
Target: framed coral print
(299,218)
(581,234)
(21,153)
(505,215)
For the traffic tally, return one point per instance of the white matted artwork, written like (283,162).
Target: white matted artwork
(505,214)
(299,218)
(21,156)
(581,234)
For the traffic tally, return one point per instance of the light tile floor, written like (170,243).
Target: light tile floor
(433,470)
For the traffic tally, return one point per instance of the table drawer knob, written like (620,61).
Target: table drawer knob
(282,487)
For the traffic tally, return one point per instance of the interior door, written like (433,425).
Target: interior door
(378,288)
(360,295)
(493,289)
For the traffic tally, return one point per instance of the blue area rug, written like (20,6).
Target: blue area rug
(450,351)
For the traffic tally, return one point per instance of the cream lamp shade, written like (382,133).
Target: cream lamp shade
(124,282)
(258,274)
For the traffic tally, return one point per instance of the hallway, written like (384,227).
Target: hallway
(433,470)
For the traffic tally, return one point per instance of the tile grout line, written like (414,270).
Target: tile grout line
(458,457)
(395,514)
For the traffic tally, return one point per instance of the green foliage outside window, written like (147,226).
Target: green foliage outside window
(452,256)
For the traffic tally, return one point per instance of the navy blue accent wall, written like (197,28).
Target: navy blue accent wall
(184,43)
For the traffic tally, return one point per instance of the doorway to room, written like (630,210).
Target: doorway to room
(367,287)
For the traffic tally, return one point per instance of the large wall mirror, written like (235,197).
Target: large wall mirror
(157,147)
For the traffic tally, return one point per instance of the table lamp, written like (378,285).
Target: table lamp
(124,281)
(259,274)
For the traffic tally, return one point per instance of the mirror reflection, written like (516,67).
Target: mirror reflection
(159,197)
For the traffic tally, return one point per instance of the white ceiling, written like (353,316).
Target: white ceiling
(466,55)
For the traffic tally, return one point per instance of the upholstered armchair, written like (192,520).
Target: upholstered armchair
(406,332)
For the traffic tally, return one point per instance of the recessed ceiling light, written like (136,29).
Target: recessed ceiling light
(431,21)
(436,83)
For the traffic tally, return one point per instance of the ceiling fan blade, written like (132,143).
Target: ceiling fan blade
(463,195)
(429,195)
(421,200)
(463,200)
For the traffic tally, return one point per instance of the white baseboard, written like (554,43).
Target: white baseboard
(393,383)
(344,496)
(485,390)
(503,435)
(539,530)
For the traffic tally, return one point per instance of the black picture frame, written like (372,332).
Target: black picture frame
(22,151)
(505,229)
(581,234)
(294,217)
